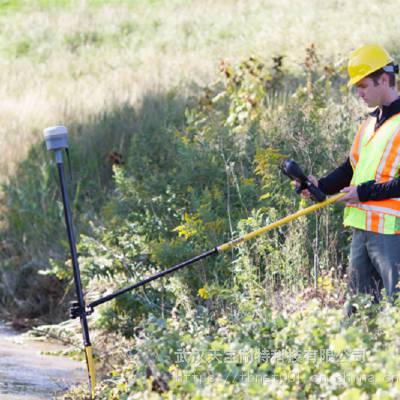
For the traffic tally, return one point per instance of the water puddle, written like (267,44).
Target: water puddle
(28,374)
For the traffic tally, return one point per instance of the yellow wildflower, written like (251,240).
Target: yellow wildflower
(203,293)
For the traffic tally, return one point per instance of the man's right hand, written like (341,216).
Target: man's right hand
(305,193)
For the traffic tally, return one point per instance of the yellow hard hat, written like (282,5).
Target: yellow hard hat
(366,60)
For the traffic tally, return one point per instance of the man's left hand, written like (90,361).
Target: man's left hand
(351,196)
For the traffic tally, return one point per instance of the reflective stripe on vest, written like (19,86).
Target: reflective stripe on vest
(356,147)
(375,155)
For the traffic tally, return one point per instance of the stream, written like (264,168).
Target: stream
(28,374)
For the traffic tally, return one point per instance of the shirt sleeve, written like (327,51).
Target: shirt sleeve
(337,179)
(379,191)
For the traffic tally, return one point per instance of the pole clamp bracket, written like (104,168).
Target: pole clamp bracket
(75,310)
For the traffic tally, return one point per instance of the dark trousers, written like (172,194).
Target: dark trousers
(374,263)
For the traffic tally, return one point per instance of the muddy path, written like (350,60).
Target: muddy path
(28,374)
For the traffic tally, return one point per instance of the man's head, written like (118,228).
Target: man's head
(372,71)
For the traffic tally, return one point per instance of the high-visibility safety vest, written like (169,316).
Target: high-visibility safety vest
(375,155)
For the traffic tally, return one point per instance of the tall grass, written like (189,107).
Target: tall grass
(119,75)
(65,60)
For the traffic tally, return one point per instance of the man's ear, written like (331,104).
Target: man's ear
(384,79)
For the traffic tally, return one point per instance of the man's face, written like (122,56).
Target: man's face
(371,92)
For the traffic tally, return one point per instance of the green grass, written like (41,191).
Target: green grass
(26,5)
(7,5)
(120,75)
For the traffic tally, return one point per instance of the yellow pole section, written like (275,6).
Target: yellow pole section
(280,222)
(91,369)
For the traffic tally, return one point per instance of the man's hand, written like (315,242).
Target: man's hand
(351,196)
(305,193)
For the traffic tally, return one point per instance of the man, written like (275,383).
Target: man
(370,177)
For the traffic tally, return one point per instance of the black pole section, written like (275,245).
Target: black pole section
(152,278)
(74,254)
